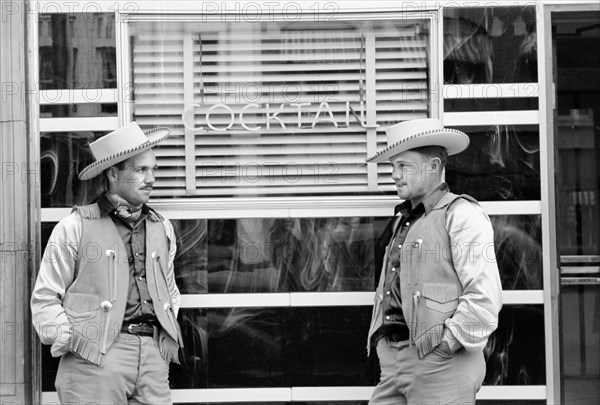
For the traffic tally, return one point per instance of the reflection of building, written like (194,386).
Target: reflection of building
(281,225)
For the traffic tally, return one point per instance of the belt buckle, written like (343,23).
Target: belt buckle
(130,328)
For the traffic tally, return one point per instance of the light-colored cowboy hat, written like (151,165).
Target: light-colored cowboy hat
(417,133)
(119,145)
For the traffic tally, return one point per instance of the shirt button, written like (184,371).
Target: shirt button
(408,223)
(387,317)
(140,278)
(393,269)
(145,302)
(400,246)
(388,293)
(137,253)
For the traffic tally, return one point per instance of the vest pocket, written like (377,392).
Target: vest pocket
(80,306)
(440,297)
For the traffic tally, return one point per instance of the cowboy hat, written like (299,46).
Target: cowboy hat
(417,133)
(120,145)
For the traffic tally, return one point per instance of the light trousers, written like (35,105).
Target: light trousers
(441,377)
(133,372)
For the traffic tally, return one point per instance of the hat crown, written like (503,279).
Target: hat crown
(407,129)
(417,133)
(125,138)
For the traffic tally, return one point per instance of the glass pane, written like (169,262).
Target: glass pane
(78,110)
(280,255)
(501,163)
(299,347)
(276,107)
(490,104)
(62,156)
(490,45)
(576,39)
(518,245)
(515,352)
(77,51)
(325,346)
(323,254)
(581,342)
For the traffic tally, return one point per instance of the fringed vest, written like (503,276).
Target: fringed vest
(95,301)
(430,286)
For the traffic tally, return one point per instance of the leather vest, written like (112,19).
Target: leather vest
(95,302)
(430,287)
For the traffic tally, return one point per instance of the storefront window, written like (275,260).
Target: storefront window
(258,255)
(490,45)
(62,156)
(501,163)
(276,108)
(77,51)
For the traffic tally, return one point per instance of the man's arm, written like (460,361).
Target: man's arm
(472,239)
(57,271)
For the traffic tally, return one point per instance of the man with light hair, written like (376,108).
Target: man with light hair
(439,293)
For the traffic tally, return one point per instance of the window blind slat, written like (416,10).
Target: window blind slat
(244,91)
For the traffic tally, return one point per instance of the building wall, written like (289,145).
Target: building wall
(17,219)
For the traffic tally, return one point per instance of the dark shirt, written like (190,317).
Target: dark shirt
(139,304)
(393,318)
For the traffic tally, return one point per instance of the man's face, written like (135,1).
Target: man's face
(414,174)
(134,182)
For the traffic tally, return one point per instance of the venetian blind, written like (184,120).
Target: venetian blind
(276,108)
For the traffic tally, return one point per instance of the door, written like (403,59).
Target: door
(576,71)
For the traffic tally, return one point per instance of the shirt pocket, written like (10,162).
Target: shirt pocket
(81,307)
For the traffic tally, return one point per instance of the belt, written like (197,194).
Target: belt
(142,329)
(397,335)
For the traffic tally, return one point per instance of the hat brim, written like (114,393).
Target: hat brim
(453,140)
(155,136)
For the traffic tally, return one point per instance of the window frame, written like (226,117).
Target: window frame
(281,207)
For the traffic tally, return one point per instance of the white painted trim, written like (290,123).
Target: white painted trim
(298,207)
(474,118)
(235,300)
(124,83)
(264,7)
(331,299)
(511,207)
(78,96)
(520,297)
(79,124)
(320,299)
(308,394)
(492,90)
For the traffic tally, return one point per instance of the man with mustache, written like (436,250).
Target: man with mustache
(105,296)
(439,293)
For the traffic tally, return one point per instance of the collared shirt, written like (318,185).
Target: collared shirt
(139,304)
(58,271)
(393,318)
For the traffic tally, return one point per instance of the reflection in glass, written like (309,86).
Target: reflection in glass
(515,352)
(299,347)
(518,245)
(322,254)
(266,347)
(501,163)
(62,156)
(490,45)
(493,103)
(279,254)
(77,51)
(78,110)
